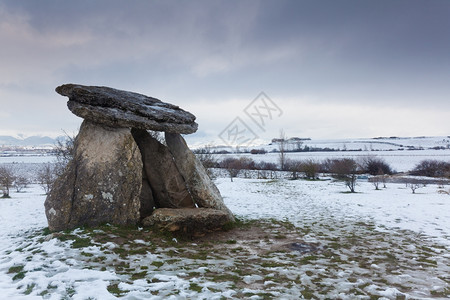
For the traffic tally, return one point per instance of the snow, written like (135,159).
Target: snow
(426,212)
(54,269)
(27,159)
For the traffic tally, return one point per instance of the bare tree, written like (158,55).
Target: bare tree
(7,178)
(233,167)
(46,177)
(414,184)
(375,180)
(206,156)
(384,179)
(282,149)
(414,187)
(20,183)
(64,149)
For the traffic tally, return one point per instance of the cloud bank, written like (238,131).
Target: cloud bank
(335,68)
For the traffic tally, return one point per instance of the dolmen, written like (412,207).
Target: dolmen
(121,174)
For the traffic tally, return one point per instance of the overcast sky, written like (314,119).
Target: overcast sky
(333,69)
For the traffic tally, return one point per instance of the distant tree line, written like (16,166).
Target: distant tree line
(347,170)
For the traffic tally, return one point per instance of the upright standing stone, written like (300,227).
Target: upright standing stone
(203,190)
(147,200)
(101,184)
(167,184)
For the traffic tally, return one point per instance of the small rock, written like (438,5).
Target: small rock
(187,219)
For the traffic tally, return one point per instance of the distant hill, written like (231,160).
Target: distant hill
(355,144)
(28,141)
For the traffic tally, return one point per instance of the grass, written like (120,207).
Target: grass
(115,290)
(226,277)
(29,288)
(15,269)
(157,264)
(139,275)
(195,287)
(427,261)
(20,275)
(81,242)
(308,259)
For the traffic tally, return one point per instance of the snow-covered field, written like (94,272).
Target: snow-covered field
(426,212)
(387,243)
(28,159)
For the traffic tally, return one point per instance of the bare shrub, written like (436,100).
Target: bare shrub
(345,169)
(293,166)
(375,166)
(266,166)
(266,170)
(432,168)
(327,165)
(258,151)
(310,168)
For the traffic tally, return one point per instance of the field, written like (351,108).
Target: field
(295,239)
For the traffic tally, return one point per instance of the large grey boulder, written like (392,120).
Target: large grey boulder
(167,184)
(101,184)
(202,188)
(192,220)
(117,108)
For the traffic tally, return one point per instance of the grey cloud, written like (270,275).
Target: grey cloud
(361,52)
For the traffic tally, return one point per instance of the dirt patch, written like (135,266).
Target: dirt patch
(260,238)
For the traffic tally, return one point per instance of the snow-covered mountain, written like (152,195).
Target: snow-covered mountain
(6,140)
